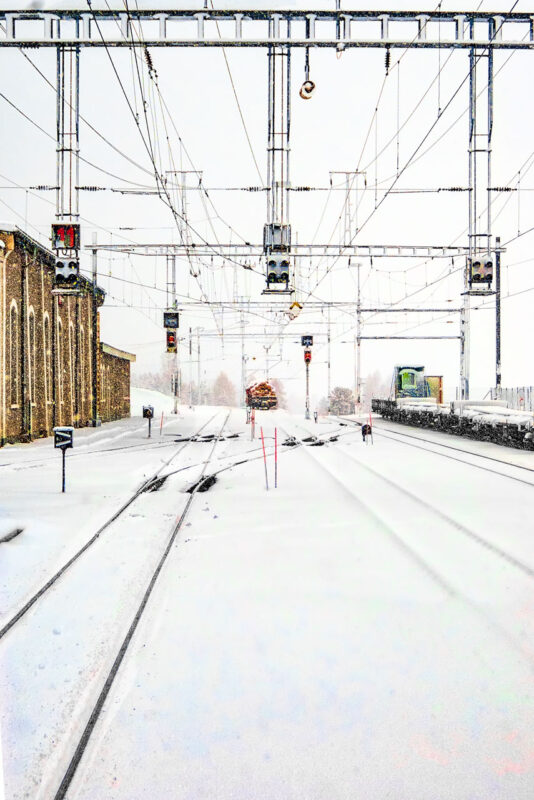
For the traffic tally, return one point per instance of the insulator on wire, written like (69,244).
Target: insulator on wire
(388,59)
(150,63)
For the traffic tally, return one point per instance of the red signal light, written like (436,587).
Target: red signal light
(307,356)
(171,341)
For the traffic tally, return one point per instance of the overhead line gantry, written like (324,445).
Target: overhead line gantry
(479,33)
(341,29)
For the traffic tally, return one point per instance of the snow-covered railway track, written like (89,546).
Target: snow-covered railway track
(380,431)
(33,463)
(519,564)
(66,654)
(511,631)
(98,706)
(37,595)
(391,533)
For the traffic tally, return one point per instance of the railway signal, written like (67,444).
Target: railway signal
(63,440)
(480,271)
(148,413)
(171,323)
(278,268)
(66,243)
(67,274)
(172,346)
(277,249)
(307,361)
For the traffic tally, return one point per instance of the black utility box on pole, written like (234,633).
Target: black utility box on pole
(63,438)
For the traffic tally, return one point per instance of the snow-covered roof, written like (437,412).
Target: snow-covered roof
(9,227)
(114,351)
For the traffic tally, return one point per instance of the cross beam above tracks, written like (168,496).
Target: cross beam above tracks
(316,304)
(410,337)
(205,250)
(340,29)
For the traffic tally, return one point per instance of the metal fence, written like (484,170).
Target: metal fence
(520,397)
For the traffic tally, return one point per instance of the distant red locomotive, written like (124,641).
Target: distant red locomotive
(262,396)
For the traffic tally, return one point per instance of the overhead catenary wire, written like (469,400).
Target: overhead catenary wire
(164,193)
(416,150)
(412,160)
(158,156)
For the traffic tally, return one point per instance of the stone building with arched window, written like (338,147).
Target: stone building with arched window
(53,368)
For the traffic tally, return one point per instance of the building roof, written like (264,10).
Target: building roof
(8,227)
(114,351)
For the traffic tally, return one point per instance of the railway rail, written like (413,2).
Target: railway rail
(30,464)
(93,713)
(380,431)
(513,639)
(115,516)
(460,527)
(98,706)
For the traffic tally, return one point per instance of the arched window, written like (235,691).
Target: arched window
(14,366)
(31,355)
(82,368)
(47,358)
(72,359)
(60,356)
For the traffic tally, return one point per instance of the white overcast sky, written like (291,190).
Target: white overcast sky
(329,132)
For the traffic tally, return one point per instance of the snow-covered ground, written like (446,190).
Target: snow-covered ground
(366,629)
(510,455)
(149,397)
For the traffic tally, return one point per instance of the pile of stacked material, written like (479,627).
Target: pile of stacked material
(495,414)
(486,420)
(262,389)
(261,395)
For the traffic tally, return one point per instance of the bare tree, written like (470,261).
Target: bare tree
(161,381)
(341,400)
(223,392)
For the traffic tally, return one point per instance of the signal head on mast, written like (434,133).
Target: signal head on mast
(480,271)
(278,268)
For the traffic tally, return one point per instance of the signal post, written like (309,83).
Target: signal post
(307,343)
(171,322)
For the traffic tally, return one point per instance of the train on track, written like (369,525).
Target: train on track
(417,399)
(490,421)
(412,382)
(261,396)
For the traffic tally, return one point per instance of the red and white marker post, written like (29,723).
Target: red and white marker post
(275,458)
(264,459)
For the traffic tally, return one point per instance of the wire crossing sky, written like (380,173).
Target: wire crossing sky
(173,151)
